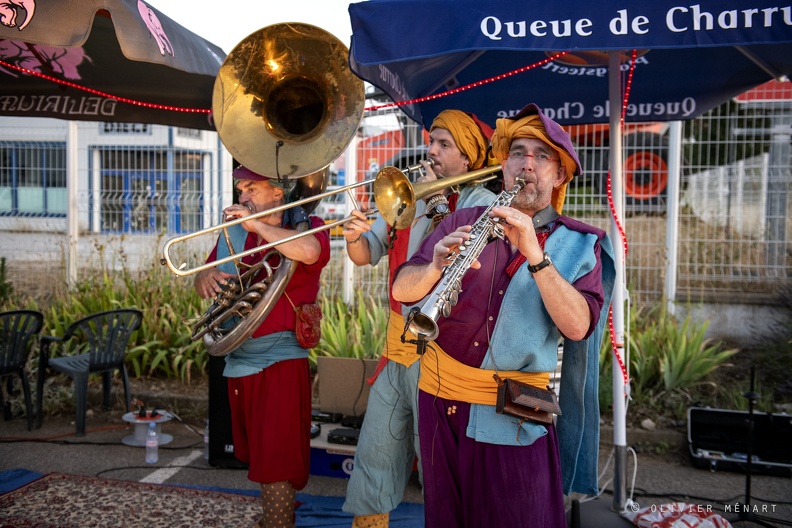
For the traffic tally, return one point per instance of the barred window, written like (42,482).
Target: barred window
(32,179)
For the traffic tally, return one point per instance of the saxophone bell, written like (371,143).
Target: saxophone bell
(423,325)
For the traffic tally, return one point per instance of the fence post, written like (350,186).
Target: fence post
(351,176)
(672,215)
(72,220)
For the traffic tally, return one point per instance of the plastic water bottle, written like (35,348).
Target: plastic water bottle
(206,440)
(152,444)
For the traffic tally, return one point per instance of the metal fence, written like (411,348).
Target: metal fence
(731,236)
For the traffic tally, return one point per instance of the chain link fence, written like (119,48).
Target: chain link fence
(136,187)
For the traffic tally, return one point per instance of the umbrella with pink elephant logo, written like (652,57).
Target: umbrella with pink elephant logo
(104,60)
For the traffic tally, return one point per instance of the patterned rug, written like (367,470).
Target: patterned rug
(59,501)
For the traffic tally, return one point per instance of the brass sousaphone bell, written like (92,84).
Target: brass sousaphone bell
(285,105)
(285,102)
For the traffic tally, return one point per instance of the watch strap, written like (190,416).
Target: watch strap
(541,265)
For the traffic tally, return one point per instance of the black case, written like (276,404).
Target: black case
(343,436)
(718,439)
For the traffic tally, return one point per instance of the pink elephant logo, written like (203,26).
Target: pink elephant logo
(63,62)
(10,12)
(155,28)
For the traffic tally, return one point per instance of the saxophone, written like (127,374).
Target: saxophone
(423,323)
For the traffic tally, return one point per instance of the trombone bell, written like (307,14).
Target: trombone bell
(396,196)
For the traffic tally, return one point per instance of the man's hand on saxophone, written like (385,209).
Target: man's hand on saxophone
(447,248)
(519,229)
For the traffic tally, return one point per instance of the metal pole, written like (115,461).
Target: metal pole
(72,221)
(350,176)
(776,205)
(672,216)
(617,303)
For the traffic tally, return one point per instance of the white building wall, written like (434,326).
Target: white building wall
(93,137)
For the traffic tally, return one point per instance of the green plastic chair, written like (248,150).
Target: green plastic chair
(18,330)
(106,336)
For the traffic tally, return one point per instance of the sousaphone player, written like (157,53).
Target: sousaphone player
(276,105)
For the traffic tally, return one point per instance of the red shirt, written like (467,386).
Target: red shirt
(302,288)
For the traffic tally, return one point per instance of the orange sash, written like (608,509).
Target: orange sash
(403,353)
(469,384)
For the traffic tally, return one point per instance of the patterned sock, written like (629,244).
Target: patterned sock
(277,501)
(377,520)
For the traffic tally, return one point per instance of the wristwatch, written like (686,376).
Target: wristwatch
(441,209)
(437,205)
(543,264)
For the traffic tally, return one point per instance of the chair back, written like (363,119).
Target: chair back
(17,330)
(106,335)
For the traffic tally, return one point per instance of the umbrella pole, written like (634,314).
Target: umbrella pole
(617,303)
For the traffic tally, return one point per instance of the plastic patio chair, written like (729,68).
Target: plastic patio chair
(18,330)
(106,336)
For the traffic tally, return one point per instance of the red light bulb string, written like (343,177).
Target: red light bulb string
(104,94)
(614,345)
(469,86)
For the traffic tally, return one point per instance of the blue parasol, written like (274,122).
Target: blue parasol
(577,59)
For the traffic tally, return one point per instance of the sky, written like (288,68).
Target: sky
(226,22)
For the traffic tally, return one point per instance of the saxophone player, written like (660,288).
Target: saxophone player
(388,445)
(549,278)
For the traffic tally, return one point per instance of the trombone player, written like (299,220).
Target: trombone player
(388,443)
(268,375)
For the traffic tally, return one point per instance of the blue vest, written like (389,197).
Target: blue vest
(526,339)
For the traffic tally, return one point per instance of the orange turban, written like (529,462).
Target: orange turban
(467,134)
(532,127)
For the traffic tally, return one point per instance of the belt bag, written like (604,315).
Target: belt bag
(308,328)
(526,401)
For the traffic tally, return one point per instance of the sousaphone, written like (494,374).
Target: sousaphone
(285,105)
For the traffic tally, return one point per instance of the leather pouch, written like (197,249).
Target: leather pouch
(308,327)
(526,402)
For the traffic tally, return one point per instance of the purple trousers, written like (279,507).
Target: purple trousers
(478,485)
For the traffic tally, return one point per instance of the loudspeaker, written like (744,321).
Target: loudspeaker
(221,441)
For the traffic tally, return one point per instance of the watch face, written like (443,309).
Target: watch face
(441,208)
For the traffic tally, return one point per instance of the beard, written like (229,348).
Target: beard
(532,198)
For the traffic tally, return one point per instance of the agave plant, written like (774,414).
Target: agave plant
(352,331)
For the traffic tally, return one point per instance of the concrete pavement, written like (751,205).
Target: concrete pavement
(658,479)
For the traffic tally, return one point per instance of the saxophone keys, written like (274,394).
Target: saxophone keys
(453,299)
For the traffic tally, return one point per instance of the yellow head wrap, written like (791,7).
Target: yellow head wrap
(468,136)
(531,127)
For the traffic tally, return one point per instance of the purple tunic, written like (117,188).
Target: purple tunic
(469,483)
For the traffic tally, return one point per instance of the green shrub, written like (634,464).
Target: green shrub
(355,332)
(667,358)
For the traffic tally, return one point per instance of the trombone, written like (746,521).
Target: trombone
(394,195)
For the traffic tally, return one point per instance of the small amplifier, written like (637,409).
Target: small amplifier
(343,436)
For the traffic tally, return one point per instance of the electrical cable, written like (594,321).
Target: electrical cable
(49,439)
(65,442)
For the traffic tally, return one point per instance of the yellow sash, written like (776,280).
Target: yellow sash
(403,353)
(469,384)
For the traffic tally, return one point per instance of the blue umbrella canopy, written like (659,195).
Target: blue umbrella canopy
(688,59)
(492,58)
(104,60)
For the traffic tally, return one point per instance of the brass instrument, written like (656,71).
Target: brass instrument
(285,104)
(394,195)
